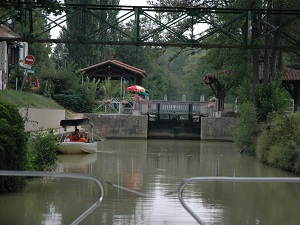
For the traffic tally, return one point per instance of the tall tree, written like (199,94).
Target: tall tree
(83,23)
(266,29)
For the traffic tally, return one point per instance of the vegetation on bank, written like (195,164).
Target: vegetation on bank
(23,99)
(274,141)
(278,143)
(13,147)
(21,151)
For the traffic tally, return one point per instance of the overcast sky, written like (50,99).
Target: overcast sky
(133,2)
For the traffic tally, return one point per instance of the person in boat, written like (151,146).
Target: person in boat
(75,135)
(68,138)
(82,138)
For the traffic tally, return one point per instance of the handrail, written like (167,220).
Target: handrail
(226,179)
(63,175)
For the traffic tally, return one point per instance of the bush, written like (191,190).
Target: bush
(282,156)
(13,148)
(43,149)
(245,134)
(272,98)
(264,141)
(279,143)
(75,101)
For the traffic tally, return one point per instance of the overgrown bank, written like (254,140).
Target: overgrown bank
(19,150)
(274,141)
(278,144)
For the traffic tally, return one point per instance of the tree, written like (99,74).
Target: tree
(59,55)
(194,72)
(256,65)
(13,148)
(49,6)
(82,24)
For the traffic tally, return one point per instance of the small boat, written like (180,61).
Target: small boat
(77,147)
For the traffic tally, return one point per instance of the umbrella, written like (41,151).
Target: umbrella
(135,88)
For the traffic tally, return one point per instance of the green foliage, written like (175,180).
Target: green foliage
(282,157)
(279,142)
(90,87)
(272,98)
(50,6)
(264,141)
(194,72)
(56,81)
(243,91)
(83,24)
(147,59)
(28,100)
(13,148)
(16,74)
(42,154)
(109,88)
(246,132)
(75,101)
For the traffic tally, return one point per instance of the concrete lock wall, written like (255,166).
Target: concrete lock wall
(119,126)
(36,119)
(217,128)
(129,126)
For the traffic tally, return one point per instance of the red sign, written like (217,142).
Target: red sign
(29,59)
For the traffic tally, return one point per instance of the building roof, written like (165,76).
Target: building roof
(6,31)
(291,74)
(115,63)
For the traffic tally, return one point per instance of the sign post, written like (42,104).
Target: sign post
(29,60)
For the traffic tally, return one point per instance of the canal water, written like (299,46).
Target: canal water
(153,170)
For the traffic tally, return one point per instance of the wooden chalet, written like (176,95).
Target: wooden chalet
(115,70)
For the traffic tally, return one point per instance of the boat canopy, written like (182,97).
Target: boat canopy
(74,122)
(79,122)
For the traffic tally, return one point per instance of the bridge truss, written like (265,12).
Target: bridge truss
(151,27)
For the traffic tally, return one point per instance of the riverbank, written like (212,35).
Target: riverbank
(283,153)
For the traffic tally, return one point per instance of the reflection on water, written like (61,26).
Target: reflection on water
(155,168)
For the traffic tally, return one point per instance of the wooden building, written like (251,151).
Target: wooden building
(115,70)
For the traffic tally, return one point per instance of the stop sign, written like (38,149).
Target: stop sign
(29,59)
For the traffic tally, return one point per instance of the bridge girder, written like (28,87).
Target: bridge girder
(202,25)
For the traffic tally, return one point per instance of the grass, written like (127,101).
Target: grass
(28,100)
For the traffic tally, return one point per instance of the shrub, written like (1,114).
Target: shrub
(42,153)
(272,98)
(279,143)
(75,101)
(264,142)
(13,148)
(282,156)
(246,132)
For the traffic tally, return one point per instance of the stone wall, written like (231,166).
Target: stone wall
(42,118)
(217,128)
(119,126)
(131,126)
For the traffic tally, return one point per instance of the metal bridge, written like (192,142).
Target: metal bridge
(150,26)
